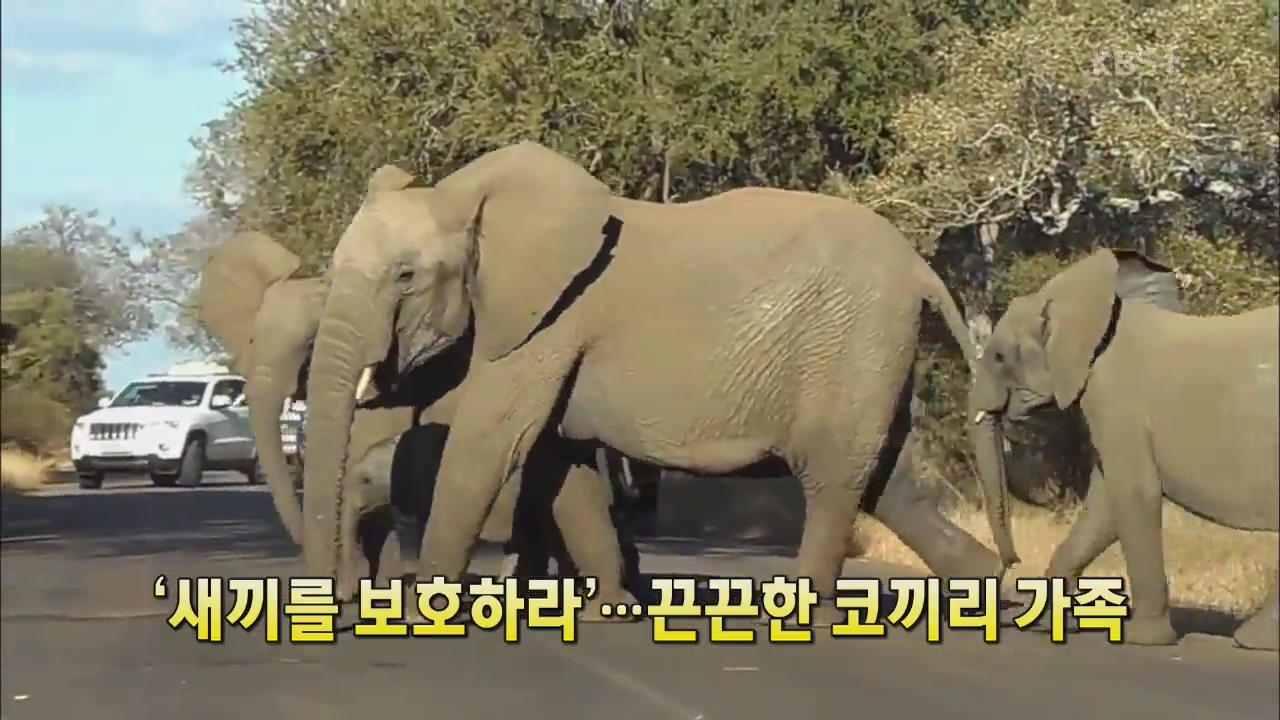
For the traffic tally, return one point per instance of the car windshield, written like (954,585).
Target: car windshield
(161,393)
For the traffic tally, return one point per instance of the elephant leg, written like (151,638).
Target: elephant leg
(835,466)
(531,542)
(1134,499)
(409,527)
(502,409)
(622,499)
(1092,533)
(1262,630)
(590,538)
(910,511)
(372,530)
(835,473)
(414,467)
(831,508)
(623,522)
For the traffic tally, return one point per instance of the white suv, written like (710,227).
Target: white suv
(173,426)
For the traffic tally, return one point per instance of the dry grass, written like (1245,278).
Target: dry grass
(1209,566)
(23,472)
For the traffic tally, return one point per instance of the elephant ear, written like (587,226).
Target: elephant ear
(1077,311)
(390,178)
(233,284)
(1140,278)
(533,220)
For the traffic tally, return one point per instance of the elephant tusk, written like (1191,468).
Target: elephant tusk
(626,472)
(363,384)
(978,417)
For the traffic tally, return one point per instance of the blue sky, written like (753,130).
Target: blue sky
(98,99)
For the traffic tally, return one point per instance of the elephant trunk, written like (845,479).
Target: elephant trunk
(266,395)
(988,450)
(336,363)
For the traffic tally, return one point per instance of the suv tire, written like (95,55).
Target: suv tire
(254,473)
(191,468)
(90,480)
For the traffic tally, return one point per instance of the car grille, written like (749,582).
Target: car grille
(113,431)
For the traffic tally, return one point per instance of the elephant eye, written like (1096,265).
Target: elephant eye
(999,357)
(405,276)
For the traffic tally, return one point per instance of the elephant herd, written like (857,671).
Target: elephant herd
(517,330)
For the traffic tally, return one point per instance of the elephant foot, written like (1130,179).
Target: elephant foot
(1260,632)
(975,562)
(346,590)
(1150,631)
(508,566)
(611,607)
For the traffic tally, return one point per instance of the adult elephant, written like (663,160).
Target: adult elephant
(267,319)
(704,336)
(1178,406)
(247,273)
(249,300)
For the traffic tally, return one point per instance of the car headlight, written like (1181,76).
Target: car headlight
(171,424)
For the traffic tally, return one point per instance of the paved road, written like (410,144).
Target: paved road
(82,636)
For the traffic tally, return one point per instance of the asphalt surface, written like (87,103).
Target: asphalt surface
(82,635)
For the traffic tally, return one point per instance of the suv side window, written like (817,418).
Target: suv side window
(233,389)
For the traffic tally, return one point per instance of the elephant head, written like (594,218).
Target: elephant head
(491,249)
(1042,350)
(266,321)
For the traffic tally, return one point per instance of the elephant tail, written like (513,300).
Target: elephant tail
(937,295)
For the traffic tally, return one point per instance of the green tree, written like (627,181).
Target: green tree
(82,255)
(172,265)
(1089,118)
(50,367)
(660,100)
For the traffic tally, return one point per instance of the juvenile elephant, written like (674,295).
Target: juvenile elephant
(1177,405)
(704,336)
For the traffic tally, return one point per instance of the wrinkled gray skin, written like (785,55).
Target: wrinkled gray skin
(894,497)
(267,319)
(703,336)
(1178,406)
(252,271)
(380,502)
(374,513)
(370,504)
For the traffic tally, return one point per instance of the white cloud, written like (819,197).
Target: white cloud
(156,17)
(70,62)
(164,17)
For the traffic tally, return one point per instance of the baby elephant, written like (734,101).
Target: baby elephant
(369,503)
(391,489)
